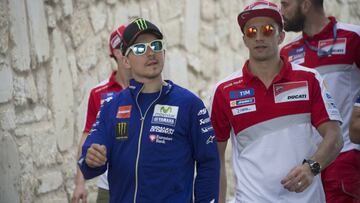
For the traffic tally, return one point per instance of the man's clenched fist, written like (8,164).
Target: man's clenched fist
(96,155)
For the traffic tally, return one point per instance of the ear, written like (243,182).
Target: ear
(117,53)
(245,42)
(281,37)
(306,6)
(126,62)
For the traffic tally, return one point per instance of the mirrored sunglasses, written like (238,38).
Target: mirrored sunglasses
(140,48)
(266,30)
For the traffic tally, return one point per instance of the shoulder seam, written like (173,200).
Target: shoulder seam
(349,27)
(100,85)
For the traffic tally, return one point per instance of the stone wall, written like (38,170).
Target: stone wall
(53,51)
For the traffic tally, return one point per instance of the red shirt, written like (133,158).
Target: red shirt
(346,49)
(244,101)
(103,91)
(340,68)
(271,129)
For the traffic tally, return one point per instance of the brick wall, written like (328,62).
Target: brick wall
(53,51)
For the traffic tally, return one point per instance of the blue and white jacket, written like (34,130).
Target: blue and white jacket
(151,155)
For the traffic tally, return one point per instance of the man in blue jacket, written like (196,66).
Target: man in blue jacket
(152,134)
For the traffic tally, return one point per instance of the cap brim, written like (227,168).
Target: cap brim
(245,16)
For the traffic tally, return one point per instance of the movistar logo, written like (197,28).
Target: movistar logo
(141,23)
(164,109)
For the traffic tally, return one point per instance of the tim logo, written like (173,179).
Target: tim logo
(241,93)
(141,23)
(122,131)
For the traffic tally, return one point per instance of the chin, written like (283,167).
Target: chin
(261,58)
(154,76)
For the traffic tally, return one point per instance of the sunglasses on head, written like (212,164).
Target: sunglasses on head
(140,48)
(266,30)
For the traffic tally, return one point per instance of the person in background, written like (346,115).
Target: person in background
(333,49)
(154,134)
(269,109)
(355,124)
(104,91)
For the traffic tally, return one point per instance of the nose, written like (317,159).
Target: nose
(259,36)
(149,51)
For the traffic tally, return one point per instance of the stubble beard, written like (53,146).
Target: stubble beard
(296,24)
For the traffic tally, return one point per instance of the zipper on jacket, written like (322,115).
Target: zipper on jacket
(140,137)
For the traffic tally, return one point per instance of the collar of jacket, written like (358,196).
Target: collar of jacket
(135,87)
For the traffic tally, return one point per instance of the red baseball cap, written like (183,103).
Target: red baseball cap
(260,9)
(115,39)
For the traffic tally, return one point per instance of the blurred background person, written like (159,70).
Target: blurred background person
(333,49)
(104,91)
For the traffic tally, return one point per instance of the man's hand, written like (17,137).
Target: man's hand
(298,179)
(96,155)
(79,194)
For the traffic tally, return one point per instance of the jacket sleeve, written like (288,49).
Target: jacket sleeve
(205,154)
(98,135)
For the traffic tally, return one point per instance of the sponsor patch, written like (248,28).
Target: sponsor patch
(338,48)
(243,109)
(165,114)
(106,97)
(122,131)
(204,121)
(160,129)
(328,96)
(159,139)
(202,112)
(92,130)
(291,91)
(210,139)
(206,129)
(232,83)
(124,112)
(330,102)
(297,56)
(241,93)
(152,138)
(330,105)
(242,102)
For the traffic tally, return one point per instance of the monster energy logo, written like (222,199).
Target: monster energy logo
(164,109)
(122,130)
(141,23)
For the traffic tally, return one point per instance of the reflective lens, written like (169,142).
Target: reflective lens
(140,48)
(266,30)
